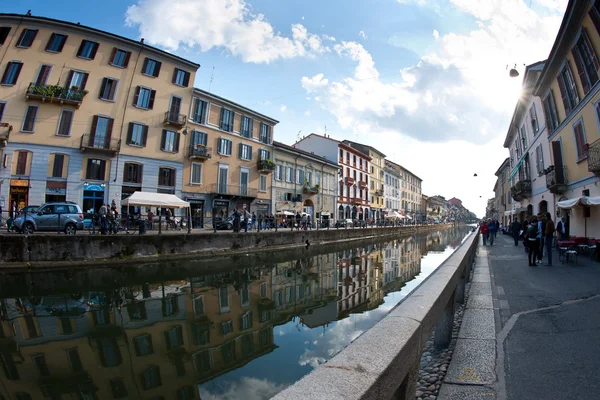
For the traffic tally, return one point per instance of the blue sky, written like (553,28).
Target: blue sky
(423,80)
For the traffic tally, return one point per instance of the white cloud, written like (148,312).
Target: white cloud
(283,108)
(307,113)
(363,35)
(226,24)
(245,388)
(314,83)
(436,34)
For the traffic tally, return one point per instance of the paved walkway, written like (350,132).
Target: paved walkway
(528,332)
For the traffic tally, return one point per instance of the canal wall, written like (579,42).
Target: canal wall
(38,250)
(383,363)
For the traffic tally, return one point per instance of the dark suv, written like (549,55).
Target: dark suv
(63,216)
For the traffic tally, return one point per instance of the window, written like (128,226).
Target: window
(224,299)
(586,62)
(27,37)
(87,49)
(137,134)
(226,327)
(539,159)
(169,141)
(132,173)
(151,378)
(96,169)
(56,43)
(263,183)
(174,337)
(57,167)
(201,334)
(278,172)
(299,176)
(245,296)
(226,121)
(137,311)
(248,344)
(198,306)
(263,290)
(119,390)
(101,317)
(264,154)
(166,177)
(108,89)
(224,147)
(181,77)
(246,320)
(2,106)
(4,31)
(199,109)
(199,138)
(120,58)
(77,80)
(265,133)
(580,140)
(550,112)
(144,98)
(110,355)
(74,360)
(11,73)
(568,90)
(247,127)
(40,362)
(151,67)
(29,120)
(523,138)
(228,351)
(196,177)
(534,121)
(289,173)
(143,345)
(245,152)
(64,123)
(101,132)
(43,75)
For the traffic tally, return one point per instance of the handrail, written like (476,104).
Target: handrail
(383,363)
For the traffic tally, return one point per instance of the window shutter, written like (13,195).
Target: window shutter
(93,130)
(81,48)
(113,88)
(595,18)
(250,151)
(127,57)
(136,97)
(172,177)
(547,117)
(145,65)
(109,129)
(18,72)
(186,79)
(42,78)
(157,69)
(241,149)
(563,94)
(144,135)
(140,173)
(35,32)
(174,80)
(558,161)
(62,43)
(50,41)
(581,70)
(113,55)
(88,173)
(65,122)
(219,142)
(231,118)
(229,143)
(204,106)
(21,37)
(586,39)
(151,102)
(4,76)
(102,170)
(69,79)
(176,145)
(579,141)
(94,50)
(221,124)
(102,87)
(163,139)
(129,131)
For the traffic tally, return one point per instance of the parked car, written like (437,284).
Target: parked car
(63,216)
(342,223)
(225,224)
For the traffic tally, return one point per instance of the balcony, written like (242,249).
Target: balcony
(175,119)
(199,152)
(231,190)
(556,180)
(379,192)
(356,200)
(310,189)
(521,190)
(362,184)
(266,166)
(98,144)
(594,157)
(349,181)
(55,94)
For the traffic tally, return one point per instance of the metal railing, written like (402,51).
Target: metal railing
(311,189)
(99,143)
(55,93)
(556,180)
(594,157)
(199,152)
(521,190)
(231,190)
(175,118)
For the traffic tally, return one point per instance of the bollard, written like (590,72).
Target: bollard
(443,329)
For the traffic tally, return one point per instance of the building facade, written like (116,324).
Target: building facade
(353,182)
(502,193)
(87,116)
(391,188)
(411,195)
(304,182)
(437,208)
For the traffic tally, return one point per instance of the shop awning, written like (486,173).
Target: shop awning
(288,213)
(516,168)
(148,199)
(579,201)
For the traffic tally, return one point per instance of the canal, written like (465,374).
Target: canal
(238,328)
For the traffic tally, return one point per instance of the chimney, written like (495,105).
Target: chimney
(142,40)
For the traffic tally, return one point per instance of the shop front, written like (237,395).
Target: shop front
(220,210)
(197,212)
(261,207)
(56,191)
(19,193)
(93,197)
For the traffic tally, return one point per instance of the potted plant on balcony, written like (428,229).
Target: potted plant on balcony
(267,164)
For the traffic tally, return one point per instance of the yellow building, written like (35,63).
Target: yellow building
(88,116)
(570,88)
(228,158)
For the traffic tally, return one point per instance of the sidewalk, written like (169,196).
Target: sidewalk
(528,332)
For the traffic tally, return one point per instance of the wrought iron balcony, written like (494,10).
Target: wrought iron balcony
(379,192)
(593,159)
(556,180)
(99,144)
(175,119)
(266,166)
(349,181)
(521,190)
(231,190)
(199,152)
(310,189)
(55,94)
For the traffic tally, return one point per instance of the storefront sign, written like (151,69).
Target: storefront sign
(56,191)
(93,187)
(221,203)
(195,201)
(17,190)
(19,182)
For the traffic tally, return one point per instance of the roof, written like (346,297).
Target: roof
(339,143)
(231,103)
(393,164)
(574,15)
(502,166)
(363,147)
(293,149)
(50,21)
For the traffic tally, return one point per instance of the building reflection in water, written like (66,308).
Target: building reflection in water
(163,340)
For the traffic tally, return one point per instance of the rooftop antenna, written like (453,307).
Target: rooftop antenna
(325,129)
(298,135)
(212,75)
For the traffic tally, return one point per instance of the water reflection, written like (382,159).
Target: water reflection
(246,333)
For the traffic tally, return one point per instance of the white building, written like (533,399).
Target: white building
(391,188)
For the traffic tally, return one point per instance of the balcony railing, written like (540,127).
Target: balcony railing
(199,152)
(174,118)
(310,189)
(594,157)
(349,181)
(55,94)
(266,166)
(521,190)
(99,144)
(356,200)
(379,192)
(231,190)
(556,180)
(362,184)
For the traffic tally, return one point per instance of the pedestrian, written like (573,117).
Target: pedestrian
(260,221)
(103,212)
(298,220)
(151,219)
(168,217)
(308,222)
(113,208)
(304,221)
(253,226)
(541,225)
(236,220)
(485,231)
(492,229)
(247,219)
(13,210)
(549,237)
(561,228)
(0,215)
(516,231)
(533,242)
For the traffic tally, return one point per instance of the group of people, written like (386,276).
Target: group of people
(243,219)
(489,230)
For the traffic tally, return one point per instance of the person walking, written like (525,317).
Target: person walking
(308,224)
(304,222)
(247,220)
(533,242)
(493,230)
(298,220)
(561,228)
(236,220)
(549,238)
(103,212)
(541,226)
(253,225)
(485,231)
(516,231)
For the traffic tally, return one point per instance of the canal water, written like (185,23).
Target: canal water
(241,332)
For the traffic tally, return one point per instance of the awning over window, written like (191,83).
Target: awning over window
(579,201)
(516,168)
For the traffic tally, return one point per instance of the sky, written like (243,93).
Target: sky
(424,81)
